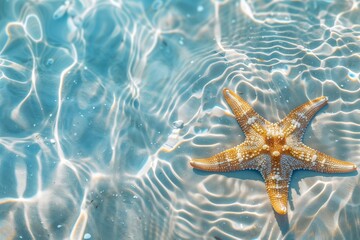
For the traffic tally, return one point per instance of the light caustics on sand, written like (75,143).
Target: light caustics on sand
(104,103)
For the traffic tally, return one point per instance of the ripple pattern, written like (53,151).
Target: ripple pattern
(104,103)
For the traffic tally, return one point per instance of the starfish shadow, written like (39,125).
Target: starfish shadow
(244,175)
(298,176)
(283,222)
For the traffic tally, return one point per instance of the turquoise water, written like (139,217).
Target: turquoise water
(104,103)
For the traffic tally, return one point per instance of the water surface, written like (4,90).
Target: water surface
(104,103)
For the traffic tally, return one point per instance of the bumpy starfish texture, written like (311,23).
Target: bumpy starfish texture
(274,149)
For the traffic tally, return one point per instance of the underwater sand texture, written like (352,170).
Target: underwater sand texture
(104,103)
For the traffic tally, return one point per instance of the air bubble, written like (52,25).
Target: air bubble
(60,12)
(49,62)
(351,75)
(157,4)
(178,124)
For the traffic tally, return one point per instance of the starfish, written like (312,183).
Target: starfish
(274,149)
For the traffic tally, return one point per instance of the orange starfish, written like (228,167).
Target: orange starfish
(274,149)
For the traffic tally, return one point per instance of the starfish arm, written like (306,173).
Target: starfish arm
(318,161)
(248,119)
(237,158)
(277,181)
(296,122)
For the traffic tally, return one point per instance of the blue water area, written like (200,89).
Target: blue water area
(103,103)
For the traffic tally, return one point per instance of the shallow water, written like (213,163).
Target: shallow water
(104,103)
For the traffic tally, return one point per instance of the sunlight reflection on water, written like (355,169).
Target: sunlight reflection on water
(104,103)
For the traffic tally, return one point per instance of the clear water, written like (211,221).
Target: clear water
(104,103)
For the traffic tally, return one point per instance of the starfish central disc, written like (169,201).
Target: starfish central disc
(275,153)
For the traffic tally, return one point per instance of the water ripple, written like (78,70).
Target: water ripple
(104,103)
